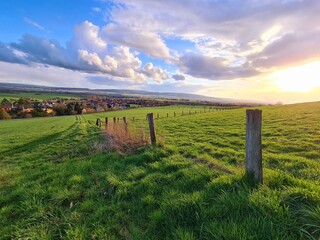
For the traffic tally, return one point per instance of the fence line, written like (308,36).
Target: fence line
(167,115)
(253,164)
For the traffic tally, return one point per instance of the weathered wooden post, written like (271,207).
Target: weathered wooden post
(125,124)
(106,120)
(98,122)
(114,120)
(253,144)
(167,115)
(152,129)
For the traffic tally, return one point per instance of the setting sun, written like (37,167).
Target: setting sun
(303,78)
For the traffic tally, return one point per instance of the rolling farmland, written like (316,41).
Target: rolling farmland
(54,182)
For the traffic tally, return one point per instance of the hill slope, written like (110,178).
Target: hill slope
(57,183)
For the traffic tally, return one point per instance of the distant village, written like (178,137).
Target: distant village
(28,107)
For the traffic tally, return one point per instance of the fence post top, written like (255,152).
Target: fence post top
(254,111)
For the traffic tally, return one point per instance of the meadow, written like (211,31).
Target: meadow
(36,96)
(56,184)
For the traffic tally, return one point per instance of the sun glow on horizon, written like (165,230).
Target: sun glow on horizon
(304,78)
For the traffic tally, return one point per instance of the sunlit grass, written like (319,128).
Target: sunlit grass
(54,184)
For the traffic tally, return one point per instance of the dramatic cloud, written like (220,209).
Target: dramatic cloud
(87,37)
(87,51)
(43,51)
(155,73)
(8,54)
(148,42)
(237,31)
(178,77)
(293,48)
(213,68)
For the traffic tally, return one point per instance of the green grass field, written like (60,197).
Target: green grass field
(54,184)
(37,96)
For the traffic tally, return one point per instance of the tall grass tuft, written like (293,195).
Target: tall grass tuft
(123,140)
(310,217)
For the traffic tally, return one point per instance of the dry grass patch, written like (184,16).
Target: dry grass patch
(122,139)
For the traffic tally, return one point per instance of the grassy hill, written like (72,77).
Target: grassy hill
(56,182)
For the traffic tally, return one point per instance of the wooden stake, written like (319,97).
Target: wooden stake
(125,124)
(152,129)
(253,144)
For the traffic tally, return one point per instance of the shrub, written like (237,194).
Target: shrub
(4,115)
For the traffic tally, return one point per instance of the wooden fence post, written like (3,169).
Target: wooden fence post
(106,120)
(253,144)
(98,122)
(152,129)
(114,120)
(167,114)
(125,124)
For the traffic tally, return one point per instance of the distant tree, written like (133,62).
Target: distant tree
(5,103)
(70,108)
(37,107)
(60,109)
(4,115)
(78,108)
(22,102)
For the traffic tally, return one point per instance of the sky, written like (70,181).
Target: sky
(262,50)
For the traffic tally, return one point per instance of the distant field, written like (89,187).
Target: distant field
(54,182)
(39,96)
